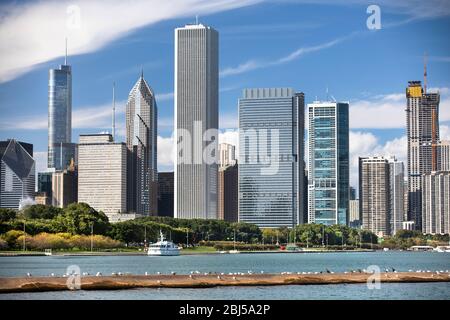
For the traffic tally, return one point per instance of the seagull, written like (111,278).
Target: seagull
(52,274)
(28,274)
(98,274)
(158,272)
(120,273)
(234,278)
(218,277)
(173,273)
(393,270)
(113,273)
(328,271)
(190,276)
(159,281)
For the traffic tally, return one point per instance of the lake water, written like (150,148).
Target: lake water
(269,263)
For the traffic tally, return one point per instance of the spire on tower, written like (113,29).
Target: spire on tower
(114,113)
(425,73)
(142,72)
(65,57)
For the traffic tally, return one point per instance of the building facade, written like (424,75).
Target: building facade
(45,184)
(227,155)
(142,169)
(102,173)
(17,174)
(271,152)
(60,147)
(397,194)
(196,114)
(374,195)
(328,168)
(354,217)
(436,203)
(65,187)
(228,193)
(422,126)
(165,194)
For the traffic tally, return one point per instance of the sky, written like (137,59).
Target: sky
(311,46)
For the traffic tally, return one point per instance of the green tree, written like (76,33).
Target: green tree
(79,217)
(7,214)
(40,211)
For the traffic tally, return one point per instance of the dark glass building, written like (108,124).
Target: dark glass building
(165,194)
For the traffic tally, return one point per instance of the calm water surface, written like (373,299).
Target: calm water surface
(269,263)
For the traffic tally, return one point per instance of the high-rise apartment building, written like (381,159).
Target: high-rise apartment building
(436,203)
(142,135)
(60,147)
(397,193)
(328,169)
(374,195)
(271,157)
(227,155)
(354,217)
(17,174)
(422,114)
(196,119)
(102,173)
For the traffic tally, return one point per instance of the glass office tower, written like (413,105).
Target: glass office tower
(60,148)
(271,153)
(328,168)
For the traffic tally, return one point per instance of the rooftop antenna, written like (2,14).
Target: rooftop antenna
(327,94)
(114,113)
(142,71)
(65,57)
(425,73)
(196,19)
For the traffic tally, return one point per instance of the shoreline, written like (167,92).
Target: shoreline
(138,253)
(42,284)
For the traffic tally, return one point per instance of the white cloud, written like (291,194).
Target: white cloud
(366,144)
(388,111)
(230,136)
(254,64)
(33,33)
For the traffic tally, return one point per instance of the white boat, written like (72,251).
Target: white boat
(163,248)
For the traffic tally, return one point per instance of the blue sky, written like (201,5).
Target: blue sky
(299,44)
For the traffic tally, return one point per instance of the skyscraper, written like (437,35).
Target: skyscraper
(65,187)
(271,157)
(60,147)
(374,195)
(196,121)
(328,169)
(142,169)
(17,176)
(422,126)
(436,202)
(165,194)
(227,155)
(102,173)
(228,193)
(397,194)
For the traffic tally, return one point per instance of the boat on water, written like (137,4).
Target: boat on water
(163,248)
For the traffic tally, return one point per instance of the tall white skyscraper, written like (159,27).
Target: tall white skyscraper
(142,169)
(196,112)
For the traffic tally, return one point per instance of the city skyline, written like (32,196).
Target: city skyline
(371,93)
